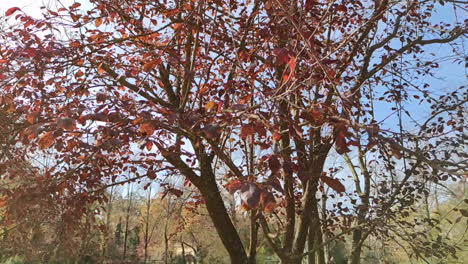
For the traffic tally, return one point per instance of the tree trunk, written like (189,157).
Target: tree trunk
(220,217)
(183,253)
(356,247)
(166,244)
(127,218)
(320,250)
(148,208)
(253,237)
(311,244)
(105,247)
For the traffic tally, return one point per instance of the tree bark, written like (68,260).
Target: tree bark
(148,208)
(220,217)
(355,257)
(311,244)
(105,247)
(253,237)
(127,218)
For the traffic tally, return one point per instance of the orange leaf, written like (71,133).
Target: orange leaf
(148,128)
(78,74)
(276,136)
(292,64)
(98,22)
(151,64)
(149,145)
(46,140)
(176,26)
(209,105)
(268,202)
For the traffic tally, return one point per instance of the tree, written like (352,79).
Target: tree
(260,91)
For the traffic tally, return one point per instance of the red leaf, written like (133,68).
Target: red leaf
(151,64)
(276,136)
(233,185)
(75,5)
(335,184)
(341,145)
(341,8)
(149,145)
(274,164)
(151,174)
(267,201)
(292,64)
(11,11)
(247,130)
(260,129)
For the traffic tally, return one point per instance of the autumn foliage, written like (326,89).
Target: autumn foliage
(253,97)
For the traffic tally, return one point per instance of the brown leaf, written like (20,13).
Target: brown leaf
(100,70)
(32,117)
(78,74)
(173,191)
(239,107)
(211,131)
(148,128)
(335,184)
(394,148)
(274,164)
(151,174)
(46,140)
(66,123)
